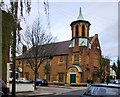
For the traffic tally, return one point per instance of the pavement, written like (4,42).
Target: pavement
(50,90)
(34,93)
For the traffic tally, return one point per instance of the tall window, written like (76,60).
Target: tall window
(76,57)
(48,61)
(47,66)
(77,30)
(48,76)
(61,77)
(27,75)
(83,30)
(61,59)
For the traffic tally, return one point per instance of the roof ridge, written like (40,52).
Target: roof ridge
(63,41)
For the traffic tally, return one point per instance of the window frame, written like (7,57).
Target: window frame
(77,30)
(76,57)
(61,77)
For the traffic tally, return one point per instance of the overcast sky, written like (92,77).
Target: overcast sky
(103,17)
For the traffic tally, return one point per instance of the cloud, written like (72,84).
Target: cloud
(109,40)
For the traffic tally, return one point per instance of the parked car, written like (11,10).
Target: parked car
(10,79)
(102,90)
(116,81)
(41,82)
(22,79)
(3,89)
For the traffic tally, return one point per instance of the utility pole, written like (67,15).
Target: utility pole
(14,12)
(14,65)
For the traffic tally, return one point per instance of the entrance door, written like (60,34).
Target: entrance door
(72,78)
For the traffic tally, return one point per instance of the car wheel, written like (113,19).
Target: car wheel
(40,84)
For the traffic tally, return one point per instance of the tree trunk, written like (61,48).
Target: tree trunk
(35,73)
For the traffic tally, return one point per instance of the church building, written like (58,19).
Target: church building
(74,61)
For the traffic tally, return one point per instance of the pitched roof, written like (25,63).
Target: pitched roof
(54,49)
(94,39)
(62,47)
(91,38)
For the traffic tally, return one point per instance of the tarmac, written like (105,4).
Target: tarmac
(34,93)
(40,92)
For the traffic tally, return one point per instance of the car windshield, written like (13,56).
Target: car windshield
(117,81)
(94,90)
(22,79)
(39,79)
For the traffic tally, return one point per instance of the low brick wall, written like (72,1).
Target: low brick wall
(65,84)
(56,83)
(79,84)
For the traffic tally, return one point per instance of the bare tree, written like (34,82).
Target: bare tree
(11,36)
(16,8)
(118,68)
(104,68)
(40,46)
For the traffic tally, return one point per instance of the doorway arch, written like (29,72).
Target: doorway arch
(74,73)
(72,76)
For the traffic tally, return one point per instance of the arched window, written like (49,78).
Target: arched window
(83,30)
(77,30)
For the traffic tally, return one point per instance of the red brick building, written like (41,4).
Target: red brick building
(74,61)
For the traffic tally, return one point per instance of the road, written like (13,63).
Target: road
(54,91)
(75,93)
(66,92)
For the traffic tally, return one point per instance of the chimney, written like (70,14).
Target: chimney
(24,49)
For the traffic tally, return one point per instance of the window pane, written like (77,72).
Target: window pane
(61,77)
(83,30)
(77,30)
(48,76)
(61,59)
(76,57)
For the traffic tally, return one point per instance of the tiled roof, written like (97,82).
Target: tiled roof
(55,49)
(62,48)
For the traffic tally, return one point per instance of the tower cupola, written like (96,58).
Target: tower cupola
(80,32)
(80,27)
